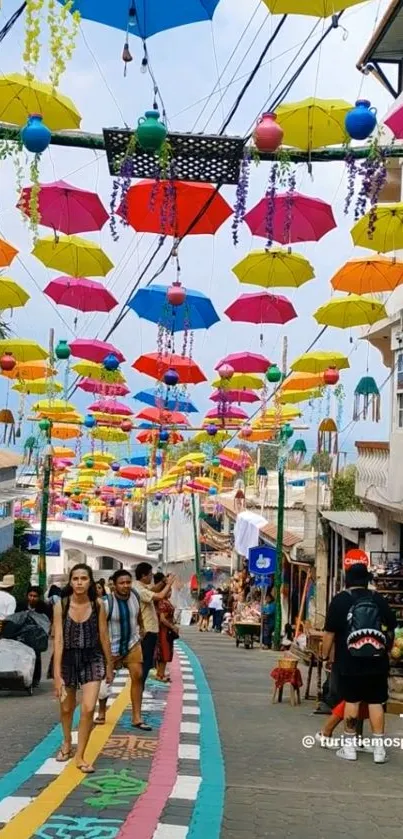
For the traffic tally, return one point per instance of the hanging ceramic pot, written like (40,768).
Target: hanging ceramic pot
(268,135)
(331,376)
(361,120)
(176,294)
(35,135)
(151,132)
(62,351)
(7,362)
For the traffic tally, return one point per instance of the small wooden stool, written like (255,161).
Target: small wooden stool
(287,673)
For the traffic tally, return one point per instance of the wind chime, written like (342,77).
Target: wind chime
(298,451)
(367,400)
(328,436)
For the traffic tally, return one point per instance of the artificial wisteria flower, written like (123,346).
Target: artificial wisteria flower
(241,195)
(351,175)
(271,195)
(291,187)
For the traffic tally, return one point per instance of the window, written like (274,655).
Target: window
(400,410)
(5,510)
(400,371)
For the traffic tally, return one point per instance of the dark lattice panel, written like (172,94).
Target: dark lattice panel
(197,157)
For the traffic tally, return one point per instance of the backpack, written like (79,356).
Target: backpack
(365,638)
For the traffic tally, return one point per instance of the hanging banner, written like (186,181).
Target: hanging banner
(154,526)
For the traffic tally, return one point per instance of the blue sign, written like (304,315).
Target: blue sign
(262,561)
(31,540)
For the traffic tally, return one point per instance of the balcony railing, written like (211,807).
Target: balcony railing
(372,470)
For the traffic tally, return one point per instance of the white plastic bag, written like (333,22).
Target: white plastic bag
(105,690)
(17,661)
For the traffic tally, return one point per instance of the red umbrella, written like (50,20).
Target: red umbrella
(261,308)
(80,293)
(92,350)
(245,362)
(104,388)
(227,413)
(155,365)
(308,219)
(162,417)
(133,473)
(234,396)
(170,207)
(111,406)
(66,208)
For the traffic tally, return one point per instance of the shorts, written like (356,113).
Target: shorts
(372,688)
(338,711)
(204,612)
(134,656)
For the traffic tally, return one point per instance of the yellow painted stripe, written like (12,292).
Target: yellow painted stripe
(29,820)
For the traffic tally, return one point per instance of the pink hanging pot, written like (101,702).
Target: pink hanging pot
(268,135)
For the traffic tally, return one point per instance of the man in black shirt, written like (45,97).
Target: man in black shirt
(360,655)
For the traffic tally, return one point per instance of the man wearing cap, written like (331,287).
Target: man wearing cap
(360,626)
(8,603)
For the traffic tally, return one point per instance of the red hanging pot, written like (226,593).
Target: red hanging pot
(126,425)
(268,135)
(331,376)
(7,362)
(176,294)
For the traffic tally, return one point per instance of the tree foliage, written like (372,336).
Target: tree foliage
(17,562)
(269,457)
(343,490)
(321,462)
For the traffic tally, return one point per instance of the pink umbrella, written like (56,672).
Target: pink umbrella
(261,308)
(93,350)
(395,122)
(111,406)
(82,294)
(104,388)
(227,413)
(66,208)
(245,362)
(295,218)
(234,396)
(237,465)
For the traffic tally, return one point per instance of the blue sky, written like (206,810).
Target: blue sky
(185,63)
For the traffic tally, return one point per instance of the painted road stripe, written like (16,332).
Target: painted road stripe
(38,811)
(170,831)
(190,710)
(186,787)
(51,767)
(190,728)
(190,696)
(188,752)
(12,805)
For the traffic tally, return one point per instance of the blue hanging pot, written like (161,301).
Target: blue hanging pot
(35,135)
(89,421)
(361,120)
(111,362)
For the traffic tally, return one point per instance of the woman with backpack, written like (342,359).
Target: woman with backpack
(82,658)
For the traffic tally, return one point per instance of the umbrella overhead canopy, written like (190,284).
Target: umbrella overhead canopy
(73,255)
(299,218)
(369,276)
(81,294)
(388,233)
(7,254)
(22,349)
(239,381)
(155,365)
(151,16)
(65,207)
(228,412)
(261,308)
(38,386)
(303,381)
(104,388)
(111,406)
(197,311)
(354,310)
(313,123)
(94,370)
(246,396)
(245,362)
(274,268)
(94,350)
(295,396)
(21,96)
(12,295)
(171,208)
(318,361)
(315,8)
(161,416)
(170,403)
(29,371)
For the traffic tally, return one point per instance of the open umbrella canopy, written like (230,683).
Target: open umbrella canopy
(234,396)
(203,437)
(23,349)
(303,381)
(354,310)
(28,371)
(318,361)
(38,386)
(171,207)
(394,121)
(192,457)
(197,311)
(170,403)
(81,294)
(133,473)
(53,405)
(73,255)
(274,268)
(109,435)
(162,416)
(151,16)
(90,349)
(245,362)
(369,276)
(155,365)
(7,254)
(228,412)
(294,396)
(313,123)
(261,308)
(388,233)
(104,388)
(12,295)
(152,436)
(97,372)
(239,381)
(296,218)
(111,406)
(65,431)
(65,207)
(21,96)
(314,8)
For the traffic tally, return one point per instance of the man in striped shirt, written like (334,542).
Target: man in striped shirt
(125,629)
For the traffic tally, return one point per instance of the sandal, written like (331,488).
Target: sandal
(142,726)
(63,757)
(85,768)
(99,721)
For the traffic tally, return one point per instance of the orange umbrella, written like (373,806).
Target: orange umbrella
(162,417)
(63,431)
(152,436)
(28,371)
(155,365)
(170,207)
(303,381)
(7,253)
(369,276)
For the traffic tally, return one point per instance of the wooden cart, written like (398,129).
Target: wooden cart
(248,633)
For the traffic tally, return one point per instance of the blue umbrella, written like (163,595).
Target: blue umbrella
(120,483)
(145,17)
(149,397)
(197,312)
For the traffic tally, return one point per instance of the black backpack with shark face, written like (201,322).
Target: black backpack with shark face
(365,638)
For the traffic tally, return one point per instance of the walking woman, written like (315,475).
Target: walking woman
(168,632)
(82,658)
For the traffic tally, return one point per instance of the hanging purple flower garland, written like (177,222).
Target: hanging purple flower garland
(339,395)
(271,195)
(291,187)
(373,173)
(241,194)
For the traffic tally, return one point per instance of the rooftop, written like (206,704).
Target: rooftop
(9,459)
(386,47)
(353,519)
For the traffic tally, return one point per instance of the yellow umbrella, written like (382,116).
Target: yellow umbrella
(302,381)
(313,123)
(38,386)
(274,268)
(12,295)
(318,361)
(192,457)
(382,234)
(70,417)
(54,405)
(109,435)
(73,255)
(63,452)
(96,371)
(102,456)
(239,381)
(97,464)
(22,349)
(281,413)
(354,310)
(313,8)
(295,396)
(20,97)
(203,437)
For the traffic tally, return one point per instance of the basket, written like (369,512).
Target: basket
(287,663)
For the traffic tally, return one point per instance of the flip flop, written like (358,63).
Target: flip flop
(142,726)
(99,721)
(63,757)
(85,768)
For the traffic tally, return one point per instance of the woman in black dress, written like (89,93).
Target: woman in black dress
(82,658)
